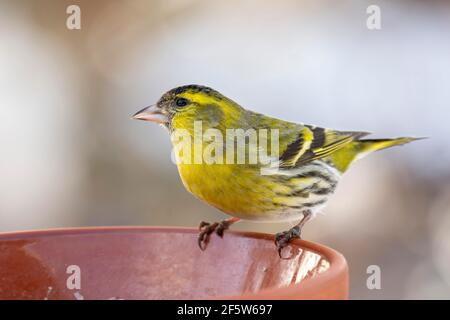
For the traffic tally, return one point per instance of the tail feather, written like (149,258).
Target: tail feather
(368,145)
(360,148)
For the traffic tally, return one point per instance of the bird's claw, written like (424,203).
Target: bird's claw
(206,229)
(223,225)
(282,239)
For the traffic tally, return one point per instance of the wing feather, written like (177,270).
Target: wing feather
(314,143)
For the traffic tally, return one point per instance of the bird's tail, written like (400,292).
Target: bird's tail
(370,145)
(360,148)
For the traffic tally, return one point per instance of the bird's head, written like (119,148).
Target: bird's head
(180,107)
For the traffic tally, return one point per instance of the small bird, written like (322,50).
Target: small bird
(294,186)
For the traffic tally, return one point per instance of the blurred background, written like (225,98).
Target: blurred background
(71,156)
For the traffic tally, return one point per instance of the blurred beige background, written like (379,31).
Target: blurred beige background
(71,156)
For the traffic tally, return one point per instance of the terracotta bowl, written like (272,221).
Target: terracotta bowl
(164,263)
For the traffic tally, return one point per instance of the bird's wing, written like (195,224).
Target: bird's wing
(313,143)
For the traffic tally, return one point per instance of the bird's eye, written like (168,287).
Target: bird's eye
(181,102)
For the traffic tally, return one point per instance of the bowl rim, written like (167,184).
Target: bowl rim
(338,264)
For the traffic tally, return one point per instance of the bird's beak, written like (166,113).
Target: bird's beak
(152,113)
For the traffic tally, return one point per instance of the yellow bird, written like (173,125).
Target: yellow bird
(297,166)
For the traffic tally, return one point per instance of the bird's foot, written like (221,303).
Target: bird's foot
(282,239)
(206,229)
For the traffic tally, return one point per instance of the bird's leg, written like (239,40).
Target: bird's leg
(206,229)
(282,239)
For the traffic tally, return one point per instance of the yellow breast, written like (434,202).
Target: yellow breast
(235,189)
